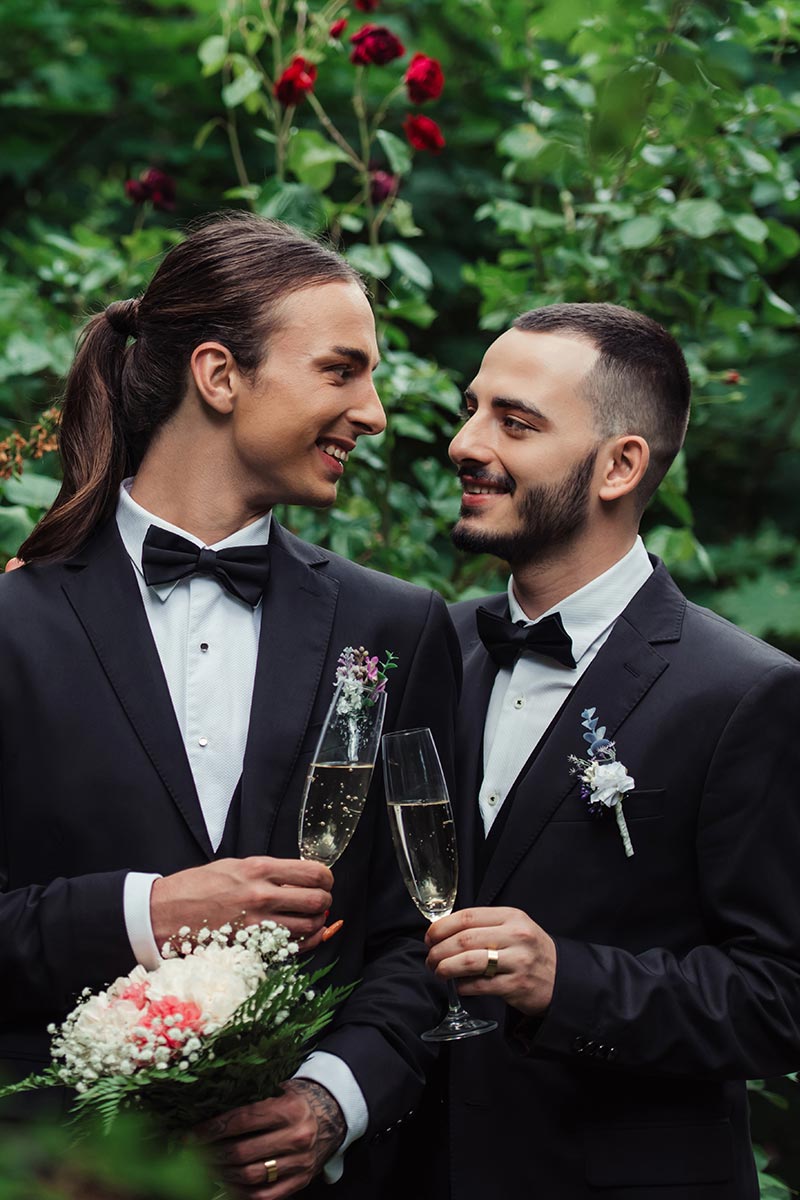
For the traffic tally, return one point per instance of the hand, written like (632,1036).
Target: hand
(292,892)
(526,967)
(298,1131)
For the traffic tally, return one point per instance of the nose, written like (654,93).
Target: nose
(368,415)
(468,445)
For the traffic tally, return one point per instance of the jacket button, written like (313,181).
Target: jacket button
(611,1053)
(579,1044)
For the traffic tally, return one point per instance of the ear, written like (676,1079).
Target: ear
(216,376)
(625,462)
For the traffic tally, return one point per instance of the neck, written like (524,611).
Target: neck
(184,482)
(539,586)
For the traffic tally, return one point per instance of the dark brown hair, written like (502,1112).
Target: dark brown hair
(639,384)
(223,284)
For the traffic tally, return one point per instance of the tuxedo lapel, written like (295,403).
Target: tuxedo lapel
(101,587)
(296,625)
(479,676)
(617,681)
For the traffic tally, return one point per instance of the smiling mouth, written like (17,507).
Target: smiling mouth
(480,485)
(338,452)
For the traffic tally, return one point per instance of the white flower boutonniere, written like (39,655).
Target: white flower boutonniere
(603,779)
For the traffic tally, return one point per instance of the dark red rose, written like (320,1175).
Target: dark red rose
(424,79)
(136,191)
(160,188)
(296,80)
(732,377)
(423,133)
(337,28)
(375,44)
(382,184)
(367,5)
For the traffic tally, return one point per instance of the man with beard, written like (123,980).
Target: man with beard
(635,928)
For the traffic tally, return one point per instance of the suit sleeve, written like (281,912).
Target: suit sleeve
(729,1009)
(378,1029)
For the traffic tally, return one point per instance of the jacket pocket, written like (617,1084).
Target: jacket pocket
(637,805)
(665,1155)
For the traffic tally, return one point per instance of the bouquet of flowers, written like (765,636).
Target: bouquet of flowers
(223,1021)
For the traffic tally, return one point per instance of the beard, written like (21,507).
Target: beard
(550,518)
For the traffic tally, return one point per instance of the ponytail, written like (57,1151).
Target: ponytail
(92,444)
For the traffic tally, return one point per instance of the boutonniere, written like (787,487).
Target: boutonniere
(604,780)
(363,679)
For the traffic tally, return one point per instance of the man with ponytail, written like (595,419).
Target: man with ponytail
(169,652)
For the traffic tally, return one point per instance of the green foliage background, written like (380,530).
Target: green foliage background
(638,151)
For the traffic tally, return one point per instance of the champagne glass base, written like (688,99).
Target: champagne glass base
(456,1027)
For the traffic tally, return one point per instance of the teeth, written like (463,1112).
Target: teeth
(481,491)
(336,452)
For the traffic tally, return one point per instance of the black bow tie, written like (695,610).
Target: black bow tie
(242,570)
(505,640)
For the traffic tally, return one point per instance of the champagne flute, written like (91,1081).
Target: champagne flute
(424,837)
(341,771)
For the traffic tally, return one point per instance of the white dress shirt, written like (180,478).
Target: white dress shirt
(207,640)
(525,698)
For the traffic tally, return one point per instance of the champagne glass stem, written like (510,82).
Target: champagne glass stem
(454,1006)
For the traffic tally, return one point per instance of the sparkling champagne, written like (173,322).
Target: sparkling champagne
(333,803)
(425,840)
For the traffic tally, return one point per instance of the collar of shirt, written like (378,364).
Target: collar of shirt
(589,612)
(133,522)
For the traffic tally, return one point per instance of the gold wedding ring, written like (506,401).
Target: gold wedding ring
(271,1167)
(492,962)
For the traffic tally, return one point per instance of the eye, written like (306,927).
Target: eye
(514,426)
(342,371)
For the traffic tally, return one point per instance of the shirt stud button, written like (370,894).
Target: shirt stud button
(202,741)
(204,646)
(492,798)
(519,702)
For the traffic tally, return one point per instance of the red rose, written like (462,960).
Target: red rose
(423,133)
(136,191)
(424,79)
(732,377)
(382,185)
(375,44)
(367,5)
(337,28)
(296,80)
(160,188)
(155,186)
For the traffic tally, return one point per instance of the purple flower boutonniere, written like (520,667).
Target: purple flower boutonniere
(603,779)
(363,679)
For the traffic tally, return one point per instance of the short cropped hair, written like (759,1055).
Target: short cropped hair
(639,384)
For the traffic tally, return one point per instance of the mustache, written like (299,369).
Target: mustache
(481,476)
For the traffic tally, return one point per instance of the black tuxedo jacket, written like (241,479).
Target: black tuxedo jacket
(95,782)
(678,971)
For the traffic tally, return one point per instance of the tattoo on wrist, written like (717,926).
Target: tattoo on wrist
(332,1127)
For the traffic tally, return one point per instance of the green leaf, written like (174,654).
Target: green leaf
(398,152)
(212,53)
(411,265)
(778,311)
(750,227)
(640,231)
(239,89)
(697,218)
(522,142)
(372,261)
(294,203)
(15,525)
(32,491)
(413,309)
(312,158)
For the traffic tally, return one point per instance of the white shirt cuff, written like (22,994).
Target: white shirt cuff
(136,908)
(335,1075)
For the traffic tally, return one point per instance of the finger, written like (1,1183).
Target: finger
(295,871)
(465,918)
(469,965)
(495,937)
(298,902)
(237,1122)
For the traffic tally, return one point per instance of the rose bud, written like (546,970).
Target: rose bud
(423,133)
(337,28)
(160,188)
(382,185)
(367,5)
(732,377)
(424,79)
(296,80)
(136,191)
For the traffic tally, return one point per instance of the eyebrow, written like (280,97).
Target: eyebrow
(506,402)
(356,355)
